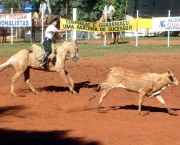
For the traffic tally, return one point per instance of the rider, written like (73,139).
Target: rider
(110,10)
(1,7)
(49,35)
(28,6)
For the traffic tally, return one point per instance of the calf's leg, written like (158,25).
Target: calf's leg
(170,111)
(103,95)
(141,99)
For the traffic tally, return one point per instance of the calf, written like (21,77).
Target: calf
(146,84)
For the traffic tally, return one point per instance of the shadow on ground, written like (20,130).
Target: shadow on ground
(16,137)
(144,108)
(77,87)
(11,110)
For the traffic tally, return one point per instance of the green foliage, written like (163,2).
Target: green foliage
(88,10)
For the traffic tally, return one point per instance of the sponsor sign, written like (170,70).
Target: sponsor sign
(16,20)
(166,24)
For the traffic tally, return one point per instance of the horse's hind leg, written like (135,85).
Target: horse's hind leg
(27,77)
(14,79)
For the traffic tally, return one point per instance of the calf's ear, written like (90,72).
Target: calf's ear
(169,72)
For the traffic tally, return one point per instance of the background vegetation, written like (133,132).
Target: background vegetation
(89,10)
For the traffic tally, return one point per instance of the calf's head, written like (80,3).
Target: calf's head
(172,79)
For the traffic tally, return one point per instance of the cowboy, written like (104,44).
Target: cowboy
(110,10)
(28,6)
(1,7)
(49,35)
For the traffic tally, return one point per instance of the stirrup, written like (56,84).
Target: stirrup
(42,65)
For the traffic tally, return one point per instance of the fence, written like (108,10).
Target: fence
(93,16)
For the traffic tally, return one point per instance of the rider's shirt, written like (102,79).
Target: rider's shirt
(50,31)
(28,7)
(1,8)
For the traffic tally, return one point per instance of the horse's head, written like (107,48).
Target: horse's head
(68,47)
(103,17)
(73,50)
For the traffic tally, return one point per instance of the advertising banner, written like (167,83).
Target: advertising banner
(16,20)
(114,26)
(166,24)
(145,23)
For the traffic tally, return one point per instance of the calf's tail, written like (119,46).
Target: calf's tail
(100,86)
(6,64)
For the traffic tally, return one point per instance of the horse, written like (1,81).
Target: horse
(117,35)
(28,61)
(102,34)
(4,34)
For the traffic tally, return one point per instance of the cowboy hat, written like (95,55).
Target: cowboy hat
(53,19)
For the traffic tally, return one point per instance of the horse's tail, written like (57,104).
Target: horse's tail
(6,64)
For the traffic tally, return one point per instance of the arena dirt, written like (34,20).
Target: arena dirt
(57,117)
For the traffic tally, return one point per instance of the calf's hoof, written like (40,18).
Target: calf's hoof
(172,112)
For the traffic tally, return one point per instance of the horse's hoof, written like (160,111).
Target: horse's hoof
(74,93)
(14,94)
(36,92)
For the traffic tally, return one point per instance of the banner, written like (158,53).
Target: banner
(16,20)
(114,26)
(145,23)
(166,24)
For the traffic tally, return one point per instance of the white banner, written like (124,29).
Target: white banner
(16,20)
(166,24)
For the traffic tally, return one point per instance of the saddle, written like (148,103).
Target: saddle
(39,52)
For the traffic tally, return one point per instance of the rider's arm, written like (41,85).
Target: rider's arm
(63,30)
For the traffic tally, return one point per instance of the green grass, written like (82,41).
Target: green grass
(92,50)
(7,49)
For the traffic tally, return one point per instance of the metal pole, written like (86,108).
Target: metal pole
(11,29)
(137,29)
(105,32)
(74,18)
(168,31)
(42,16)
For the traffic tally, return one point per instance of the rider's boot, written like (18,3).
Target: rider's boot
(44,60)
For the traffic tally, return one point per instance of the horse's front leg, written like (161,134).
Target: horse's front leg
(65,76)
(71,81)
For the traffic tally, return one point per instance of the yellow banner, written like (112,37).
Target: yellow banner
(114,26)
(145,23)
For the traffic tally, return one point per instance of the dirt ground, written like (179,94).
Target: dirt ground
(57,117)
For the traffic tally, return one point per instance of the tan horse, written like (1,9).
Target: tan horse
(102,34)
(117,35)
(23,60)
